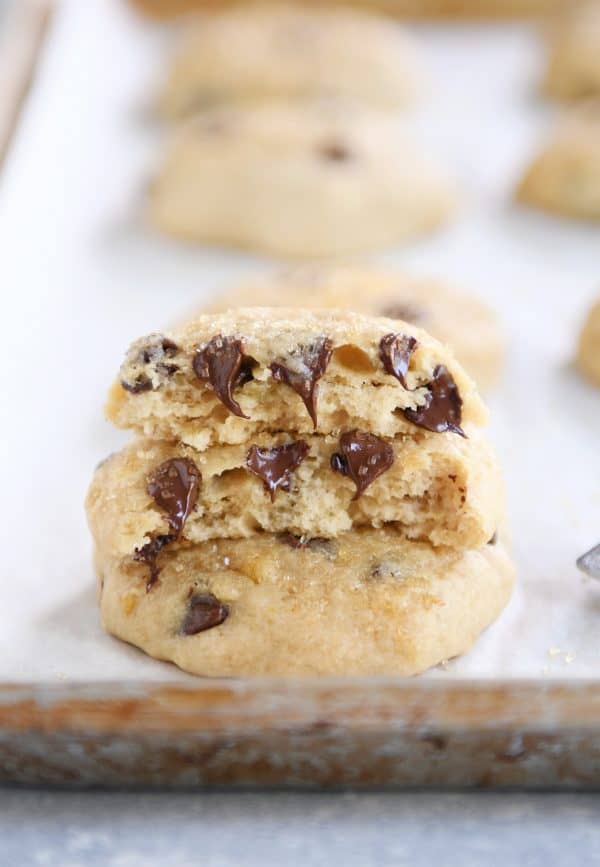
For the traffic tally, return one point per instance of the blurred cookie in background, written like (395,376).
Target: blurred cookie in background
(297,180)
(456,318)
(287,51)
(588,349)
(573,70)
(447,9)
(565,176)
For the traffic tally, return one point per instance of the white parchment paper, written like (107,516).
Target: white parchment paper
(80,278)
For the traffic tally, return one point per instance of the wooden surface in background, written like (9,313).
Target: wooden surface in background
(312,733)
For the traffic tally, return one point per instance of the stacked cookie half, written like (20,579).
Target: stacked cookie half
(307,493)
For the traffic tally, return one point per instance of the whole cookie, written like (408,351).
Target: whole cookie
(367,603)
(565,177)
(285,51)
(588,349)
(573,70)
(302,180)
(462,322)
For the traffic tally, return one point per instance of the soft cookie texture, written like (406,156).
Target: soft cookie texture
(285,51)
(225,378)
(309,492)
(588,349)
(565,177)
(573,70)
(297,180)
(462,322)
(447,493)
(368,602)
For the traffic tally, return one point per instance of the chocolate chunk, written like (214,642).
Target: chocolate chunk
(408,312)
(364,457)
(275,466)
(395,351)
(148,554)
(316,544)
(303,369)
(222,363)
(334,151)
(174,486)
(494,539)
(442,409)
(204,612)
(146,365)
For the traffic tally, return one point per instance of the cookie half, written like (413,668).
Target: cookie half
(565,177)
(304,180)
(367,603)
(225,378)
(254,52)
(464,323)
(446,493)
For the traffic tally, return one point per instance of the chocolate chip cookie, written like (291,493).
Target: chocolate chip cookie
(573,70)
(297,180)
(317,486)
(367,602)
(565,176)
(461,321)
(238,374)
(446,9)
(316,470)
(285,51)
(588,349)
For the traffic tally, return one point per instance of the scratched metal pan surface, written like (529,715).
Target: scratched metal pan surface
(81,277)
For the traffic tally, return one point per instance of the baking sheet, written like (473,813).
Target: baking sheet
(80,278)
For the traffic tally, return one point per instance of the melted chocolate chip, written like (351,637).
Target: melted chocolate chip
(246,373)
(317,544)
(275,466)
(204,612)
(407,312)
(442,410)
(334,151)
(174,486)
(364,457)
(494,539)
(148,554)
(222,363)
(146,364)
(395,351)
(303,370)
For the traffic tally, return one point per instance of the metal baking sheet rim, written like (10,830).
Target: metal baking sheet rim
(302,733)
